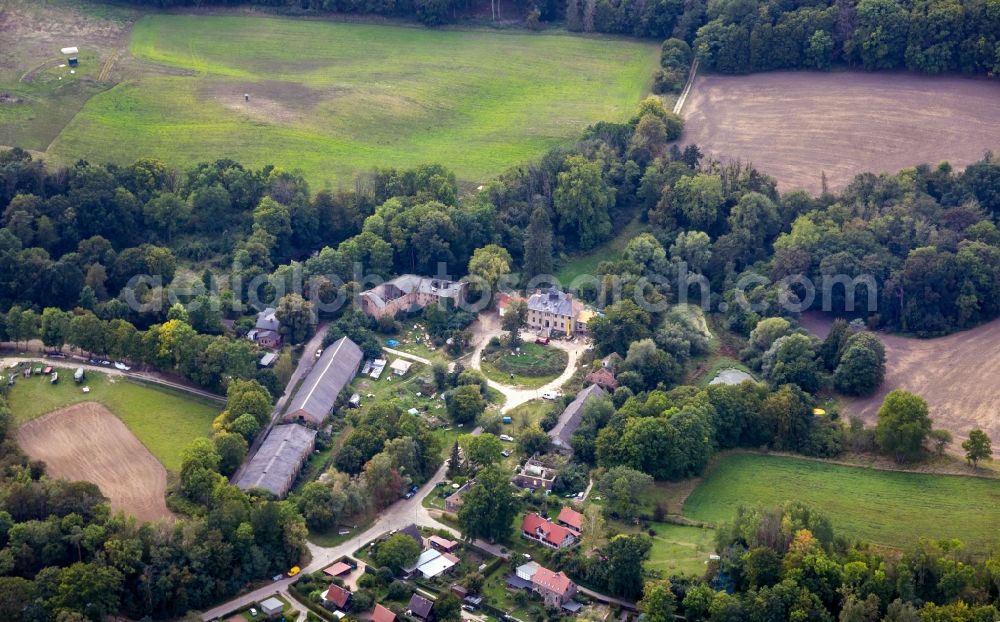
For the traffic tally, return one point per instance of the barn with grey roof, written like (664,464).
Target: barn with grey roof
(276,464)
(333,371)
(571,417)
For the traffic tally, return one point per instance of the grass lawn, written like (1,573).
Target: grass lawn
(534,366)
(412,340)
(883,507)
(333,99)
(530,413)
(680,550)
(164,420)
(586,264)
(333,537)
(44,106)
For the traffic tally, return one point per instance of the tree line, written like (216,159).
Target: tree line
(742,36)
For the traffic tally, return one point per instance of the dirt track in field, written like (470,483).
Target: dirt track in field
(796,125)
(87,442)
(958,375)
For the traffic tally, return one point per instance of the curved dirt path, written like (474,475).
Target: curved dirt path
(29,75)
(485,328)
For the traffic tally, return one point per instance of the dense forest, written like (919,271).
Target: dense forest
(742,36)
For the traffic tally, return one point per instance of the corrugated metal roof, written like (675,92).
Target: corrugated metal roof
(276,464)
(332,372)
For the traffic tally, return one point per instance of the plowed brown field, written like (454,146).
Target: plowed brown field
(797,125)
(87,442)
(958,375)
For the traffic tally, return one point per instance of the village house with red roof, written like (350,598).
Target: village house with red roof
(568,517)
(547,533)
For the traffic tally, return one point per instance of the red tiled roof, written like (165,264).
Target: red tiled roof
(571,517)
(551,533)
(381,614)
(553,581)
(602,377)
(337,595)
(338,569)
(451,558)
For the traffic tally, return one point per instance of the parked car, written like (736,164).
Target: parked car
(542,341)
(253,612)
(507,437)
(505,453)
(551,395)
(409,494)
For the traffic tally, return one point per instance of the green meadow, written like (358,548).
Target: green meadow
(888,508)
(164,420)
(333,99)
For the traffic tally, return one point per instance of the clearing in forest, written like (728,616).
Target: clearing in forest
(87,442)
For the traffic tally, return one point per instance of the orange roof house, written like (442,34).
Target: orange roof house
(544,531)
(338,596)
(381,614)
(569,517)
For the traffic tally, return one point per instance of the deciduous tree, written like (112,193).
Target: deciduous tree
(538,244)
(903,425)
(977,447)
(489,506)
(582,199)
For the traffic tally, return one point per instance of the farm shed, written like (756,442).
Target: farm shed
(338,569)
(570,418)
(401,366)
(332,372)
(276,464)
